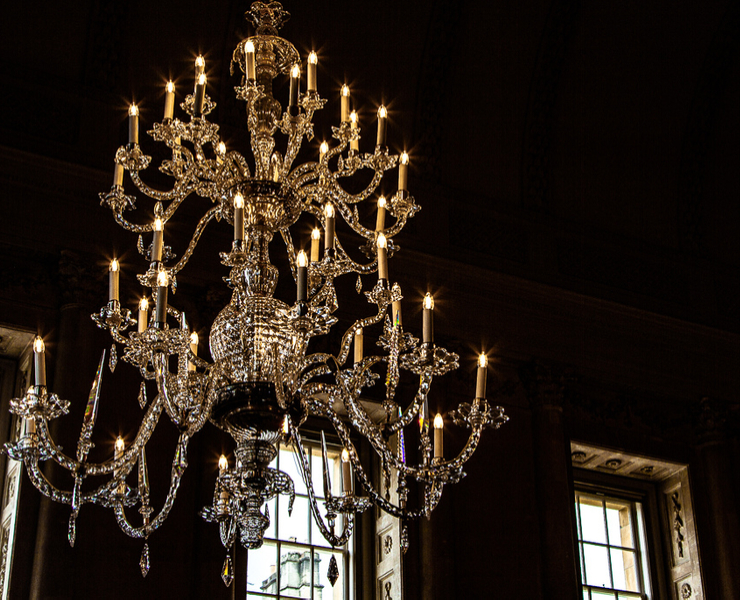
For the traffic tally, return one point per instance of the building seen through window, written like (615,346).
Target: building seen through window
(612,548)
(294,559)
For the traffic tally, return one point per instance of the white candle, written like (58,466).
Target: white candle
(359,341)
(315,239)
(346,472)
(251,72)
(329,231)
(238,217)
(200,95)
(382,257)
(354,144)
(143,320)
(480,387)
(160,316)
(311,74)
(169,100)
(113,273)
(295,80)
(302,262)
(428,319)
(39,361)
(133,124)
(157,242)
(118,175)
(345,103)
(403,171)
(382,123)
(193,349)
(380,218)
(118,455)
(438,436)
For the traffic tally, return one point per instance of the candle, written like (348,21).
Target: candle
(118,175)
(223,465)
(295,80)
(329,231)
(428,320)
(200,94)
(345,103)
(480,388)
(160,316)
(200,66)
(39,361)
(323,149)
(251,72)
(382,257)
(133,124)
(238,217)
(29,426)
(311,74)
(302,261)
(220,153)
(382,122)
(118,455)
(380,218)
(346,472)
(157,242)
(169,100)
(143,319)
(359,341)
(403,171)
(315,238)
(113,274)
(193,349)
(354,144)
(438,436)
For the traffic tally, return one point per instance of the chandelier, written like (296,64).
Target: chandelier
(264,380)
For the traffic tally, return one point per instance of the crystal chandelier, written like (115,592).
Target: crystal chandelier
(264,380)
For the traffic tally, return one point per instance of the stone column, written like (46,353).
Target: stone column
(555,501)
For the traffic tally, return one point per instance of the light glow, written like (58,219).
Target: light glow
(170,87)
(428,301)
(158,224)
(286,425)
(202,79)
(345,90)
(382,242)
(302,259)
(404,158)
(114,265)
(439,422)
(482,360)
(223,463)
(194,338)
(239,201)
(382,112)
(313,58)
(382,202)
(200,61)
(316,234)
(295,72)
(324,148)
(221,148)
(329,210)
(249,46)
(120,444)
(133,111)
(353,117)
(38,345)
(162,279)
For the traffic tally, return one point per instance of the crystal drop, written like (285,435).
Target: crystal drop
(333,572)
(227,573)
(72,530)
(144,560)
(113,360)
(358,285)
(142,395)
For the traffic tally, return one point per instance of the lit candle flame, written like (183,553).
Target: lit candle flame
(381,202)
(158,224)
(345,455)
(202,79)
(162,279)
(286,425)
(428,301)
(194,338)
(144,304)
(316,234)
(324,148)
(329,210)
(302,259)
(382,112)
(382,242)
(38,345)
(249,46)
(170,87)
(120,444)
(313,58)
(405,158)
(221,148)
(439,422)
(133,110)
(482,360)
(114,265)
(200,62)
(295,72)
(353,117)
(239,201)
(223,463)
(345,90)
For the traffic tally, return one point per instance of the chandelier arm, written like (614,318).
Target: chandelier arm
(425,382)
(175,195)
(128,225)
(162,379)
(235,158)
(348,336)
(347,198)
(202,224)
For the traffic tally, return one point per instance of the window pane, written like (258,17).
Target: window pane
(288,465)
(324,589)
(295,571)
(585,594)
(317,471)
(599,595)
(592,520)
(293,528)
(619,523)
(271,530)
(623,596)
(624,568)
(261,569)
(597,565)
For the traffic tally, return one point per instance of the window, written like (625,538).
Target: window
(612,547)
(294,559)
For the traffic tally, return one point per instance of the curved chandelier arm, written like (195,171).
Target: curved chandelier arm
(348,336)
(202,224)
(425,382)
(183,187)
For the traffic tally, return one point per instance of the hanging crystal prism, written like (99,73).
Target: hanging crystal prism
(227,573)
(113,359)
(72,529)
(333,573)
(144,560)
(142,395)
(358,285)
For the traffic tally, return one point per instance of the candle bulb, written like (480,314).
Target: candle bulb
(315,239)
(200,66)
(354,144)
(238,217)
(223,465)
(346,472)
(220,153)
(382,244)
(143,320)
(311,74)
(157,242)
(439,436)
(200,94)
(428,319)
(193,349)
(302,261)
(329,231)
(160,316)
(403,171)
(380,218)
(118,175)
(323,149)
(382,124)
(113,273)
(295,79)
(39,361)
(251,71)
(169,100)
(359,341)
(480,388)
(345,103)
(119,447)
(133,124)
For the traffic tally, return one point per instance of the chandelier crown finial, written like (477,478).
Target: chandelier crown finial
(267,17)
